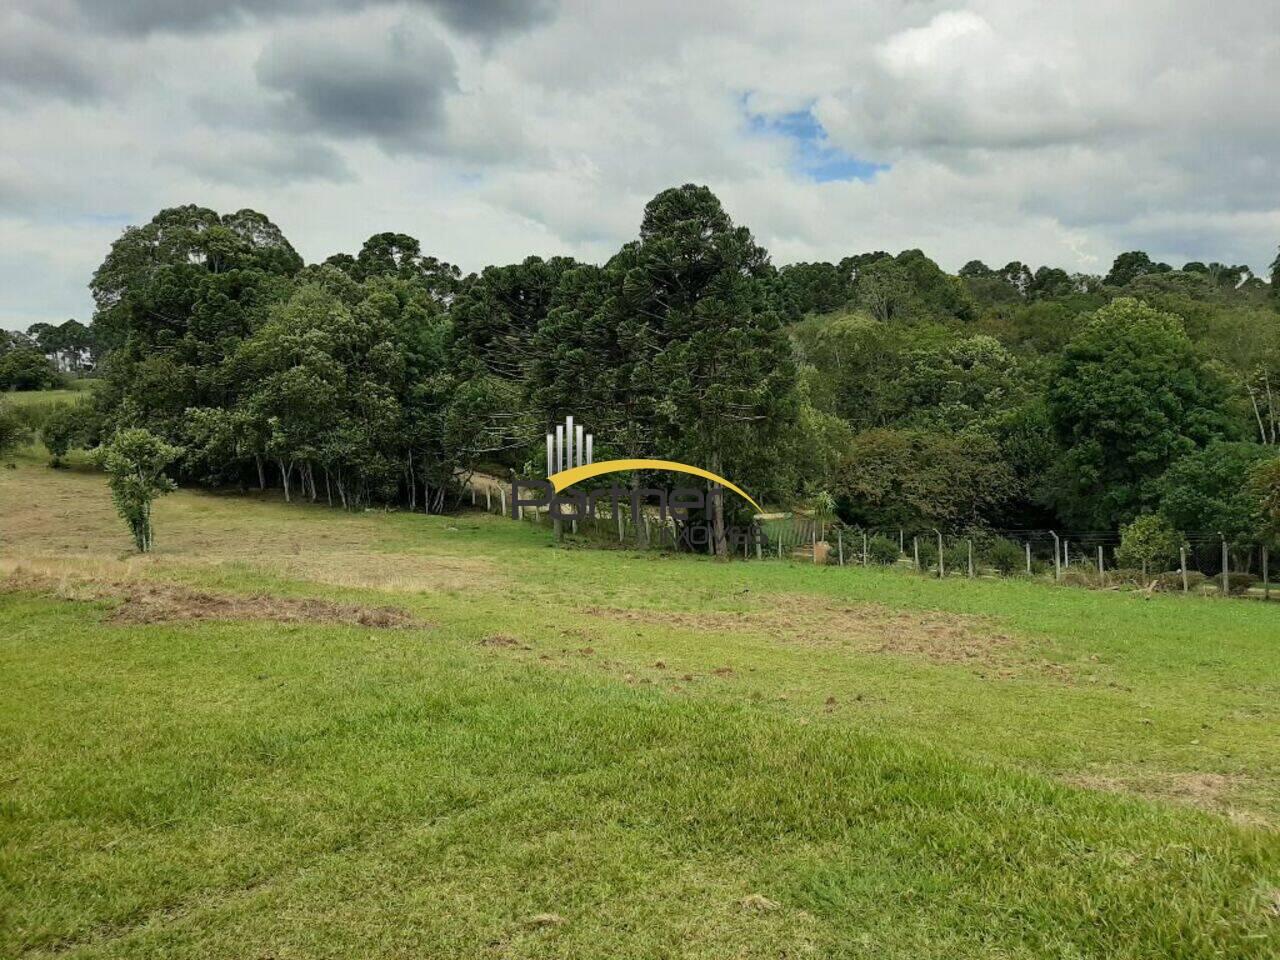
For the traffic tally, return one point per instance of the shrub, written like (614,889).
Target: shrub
(1079,577)
(882,550)
(1150,542)
(13,432)
(26,368)
(63,429)
(1006,556)
(1128,577)
(958,558)
(1172,582)
(1239,583)
(135,461)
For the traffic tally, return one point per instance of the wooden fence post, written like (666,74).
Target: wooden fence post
(840,544)
(942,565)
(502,493)
(915,551)
(970,559)
(1266,579)
(488,499)
(1028,558)
(864,549)
(1099,561)
(1182,558)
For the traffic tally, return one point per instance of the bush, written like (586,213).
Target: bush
(882,550)
(1006,556)
(958,558)
(27,369)
(13,432)
(63,428)
(1149,543)
(1079,577)
(1239,583)
(1172,582)
(1128,576)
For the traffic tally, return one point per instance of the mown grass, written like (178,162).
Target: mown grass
(656,744)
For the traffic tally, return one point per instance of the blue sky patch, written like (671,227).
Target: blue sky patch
(813,155)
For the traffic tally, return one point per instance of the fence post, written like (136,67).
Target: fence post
(473,493)
(915,551)
(759,539)
(1066,554)
(1182,557)
(1057,556)
(1226,561)
(1028,558)
(617,515)
(864,549)
(503,494)
(901,544)
(1099,561)
(970,559)
(488,499)
(1266,579)
(779,546)
(840,544)
(815,543)
(942,566)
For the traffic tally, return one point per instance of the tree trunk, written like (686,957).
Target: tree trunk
(284,479)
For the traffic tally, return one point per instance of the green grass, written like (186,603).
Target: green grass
(211,789)
(76,390)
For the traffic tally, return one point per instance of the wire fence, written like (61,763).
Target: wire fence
(1206,564)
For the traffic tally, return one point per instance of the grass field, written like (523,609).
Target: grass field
(294,732)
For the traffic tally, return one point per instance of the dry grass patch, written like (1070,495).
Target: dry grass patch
(939,637)
(1214,792)
(142,601)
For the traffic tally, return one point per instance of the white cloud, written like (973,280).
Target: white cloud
(1055,134)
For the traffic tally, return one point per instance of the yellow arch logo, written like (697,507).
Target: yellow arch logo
(567,478)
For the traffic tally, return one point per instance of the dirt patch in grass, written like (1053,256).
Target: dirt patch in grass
(1215,792)
(939,637)
(153,602)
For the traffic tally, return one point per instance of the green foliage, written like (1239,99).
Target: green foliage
(13,430)
(1005,556)
(917,478)
(1264,481)
(27,368)
(135,460)
(1149,541)
(66,426)
(1128,398)
(883,550)
(1208,491)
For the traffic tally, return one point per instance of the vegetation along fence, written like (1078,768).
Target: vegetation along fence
(1204,564)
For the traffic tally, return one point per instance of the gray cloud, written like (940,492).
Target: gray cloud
(479,18)
(491,18)
(36,60)
(389,86)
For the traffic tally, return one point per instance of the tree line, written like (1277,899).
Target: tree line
(882,386)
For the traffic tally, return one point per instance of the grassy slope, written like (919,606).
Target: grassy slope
(213,789)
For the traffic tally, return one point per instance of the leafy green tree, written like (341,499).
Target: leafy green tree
(13,431)
(919,479)
(1208,491)
(1148,541)
(1129,266)
(815,287)
(64,428)
(1264,481)
(26,368)
(966,383)
(884,291)
(135,461)
(1128,398)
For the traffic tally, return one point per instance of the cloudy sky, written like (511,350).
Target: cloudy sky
(491,129)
